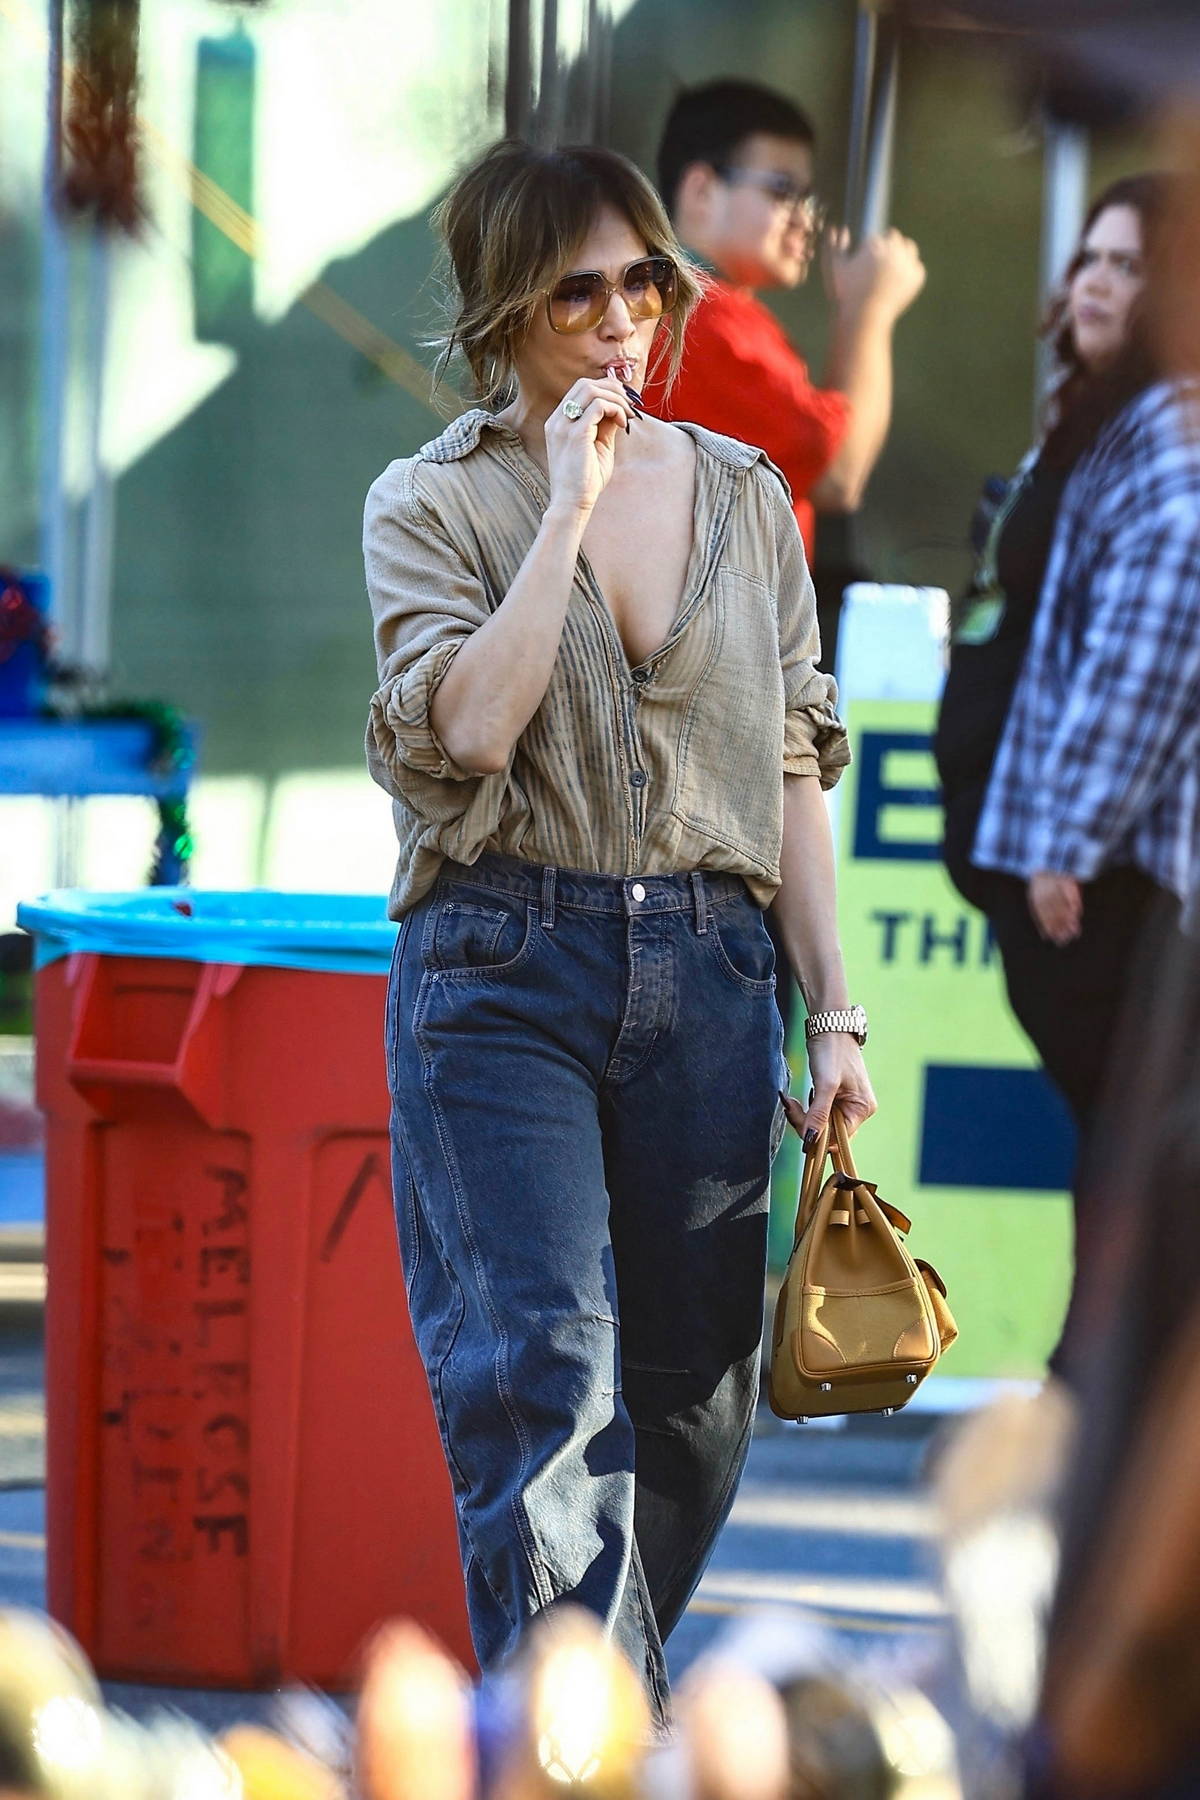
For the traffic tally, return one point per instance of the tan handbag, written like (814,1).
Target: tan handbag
(858,1322)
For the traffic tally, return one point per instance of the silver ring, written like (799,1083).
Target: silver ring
(572,409)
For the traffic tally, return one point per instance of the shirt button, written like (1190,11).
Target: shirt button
(641,676)
(638,778)
(638,891)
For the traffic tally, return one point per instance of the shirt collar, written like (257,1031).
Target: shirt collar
(465,434)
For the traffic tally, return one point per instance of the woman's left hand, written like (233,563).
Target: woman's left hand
(1056,902)
(839,1075)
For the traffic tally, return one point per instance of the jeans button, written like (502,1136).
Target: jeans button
(638,891)
(638,778)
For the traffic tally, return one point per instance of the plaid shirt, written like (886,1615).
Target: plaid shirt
(1099,765)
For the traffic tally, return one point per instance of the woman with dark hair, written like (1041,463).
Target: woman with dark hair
(1069,738)
(605,736)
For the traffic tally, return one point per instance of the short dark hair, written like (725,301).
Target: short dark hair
(710,124)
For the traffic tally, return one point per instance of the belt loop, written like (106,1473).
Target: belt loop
(549,877)
(701,901)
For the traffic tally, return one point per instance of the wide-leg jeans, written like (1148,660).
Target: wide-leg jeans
(585,1073)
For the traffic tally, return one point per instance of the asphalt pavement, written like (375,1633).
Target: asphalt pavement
(829,1519)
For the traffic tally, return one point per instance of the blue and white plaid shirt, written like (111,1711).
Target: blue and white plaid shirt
(1099,764)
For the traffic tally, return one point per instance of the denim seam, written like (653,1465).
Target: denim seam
(721,1505)
(660,1691)
(525,1537)
(439,1405)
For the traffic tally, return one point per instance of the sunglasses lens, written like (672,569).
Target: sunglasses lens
(577,303)
(651,287)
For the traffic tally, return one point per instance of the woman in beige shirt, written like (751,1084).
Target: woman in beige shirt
(605,737)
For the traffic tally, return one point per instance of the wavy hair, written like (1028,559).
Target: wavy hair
(1083,400)
(510,225)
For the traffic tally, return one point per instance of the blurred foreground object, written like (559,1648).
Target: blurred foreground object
(414,1720)
(1122,1701)
(1121,1709)
(851,1731)
(272,1769)
(996,1487)
(57,1739)
(582,1718)
(736,1733)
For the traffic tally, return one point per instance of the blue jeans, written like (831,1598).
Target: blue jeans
(585,1073)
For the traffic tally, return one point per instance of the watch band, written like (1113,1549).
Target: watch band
(851,1019)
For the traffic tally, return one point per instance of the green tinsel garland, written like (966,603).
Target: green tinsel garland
(172,753)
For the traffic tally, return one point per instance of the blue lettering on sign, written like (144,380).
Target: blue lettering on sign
(928,940)
(994,1128)
(876,795)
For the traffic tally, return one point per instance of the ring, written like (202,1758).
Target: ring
(572,409)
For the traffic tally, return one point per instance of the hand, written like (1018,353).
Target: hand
(885,271)
(1056,902)
(839,1074)
(580,452)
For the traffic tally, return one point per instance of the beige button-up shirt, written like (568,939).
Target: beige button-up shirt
(676,764)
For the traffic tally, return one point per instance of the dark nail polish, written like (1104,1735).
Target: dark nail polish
(810,1137)
(627,428)
(632,394)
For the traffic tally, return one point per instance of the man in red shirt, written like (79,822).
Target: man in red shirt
(736,171)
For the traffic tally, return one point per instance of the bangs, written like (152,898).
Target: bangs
(512,225)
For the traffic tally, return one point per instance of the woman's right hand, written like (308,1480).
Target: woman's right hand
(580,453)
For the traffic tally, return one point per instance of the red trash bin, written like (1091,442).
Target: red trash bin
(243,1470)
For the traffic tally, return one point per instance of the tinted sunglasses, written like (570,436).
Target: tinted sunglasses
(649,288)
(800,202)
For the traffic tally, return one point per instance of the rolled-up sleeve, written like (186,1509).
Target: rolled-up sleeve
(814,738)
(426,602)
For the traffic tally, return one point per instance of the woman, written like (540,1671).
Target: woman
(601,724)
(1070,727)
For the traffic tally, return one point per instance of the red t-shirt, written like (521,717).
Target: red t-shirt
(741,376)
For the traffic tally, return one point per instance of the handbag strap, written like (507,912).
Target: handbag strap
(834,1142)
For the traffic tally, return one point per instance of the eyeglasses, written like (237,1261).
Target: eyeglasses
(649,288)
(781,188)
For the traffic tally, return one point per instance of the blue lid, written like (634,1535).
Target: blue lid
(330,932)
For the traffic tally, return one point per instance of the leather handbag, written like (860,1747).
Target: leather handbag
(859,1322)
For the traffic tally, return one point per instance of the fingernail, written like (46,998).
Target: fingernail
(810,1137)
(627,428)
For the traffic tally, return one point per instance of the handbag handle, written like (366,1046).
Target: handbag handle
(832,1142)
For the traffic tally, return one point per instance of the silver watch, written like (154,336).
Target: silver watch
(847,1018)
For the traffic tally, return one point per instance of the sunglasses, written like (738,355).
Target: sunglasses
(780,188)
(649,288)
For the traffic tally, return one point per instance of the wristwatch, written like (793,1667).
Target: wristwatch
(847,1018)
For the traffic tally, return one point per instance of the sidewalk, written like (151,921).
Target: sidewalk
(831,1520)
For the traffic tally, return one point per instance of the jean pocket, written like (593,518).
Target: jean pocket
(472,932)
(743,946)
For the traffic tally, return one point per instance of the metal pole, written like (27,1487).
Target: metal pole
(860,107)
(601,46)
(877,174)
(1064,204)
(549,107)
(517,78)
(95,573)
(54,352)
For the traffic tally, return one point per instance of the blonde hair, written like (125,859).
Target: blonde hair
(510,225)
